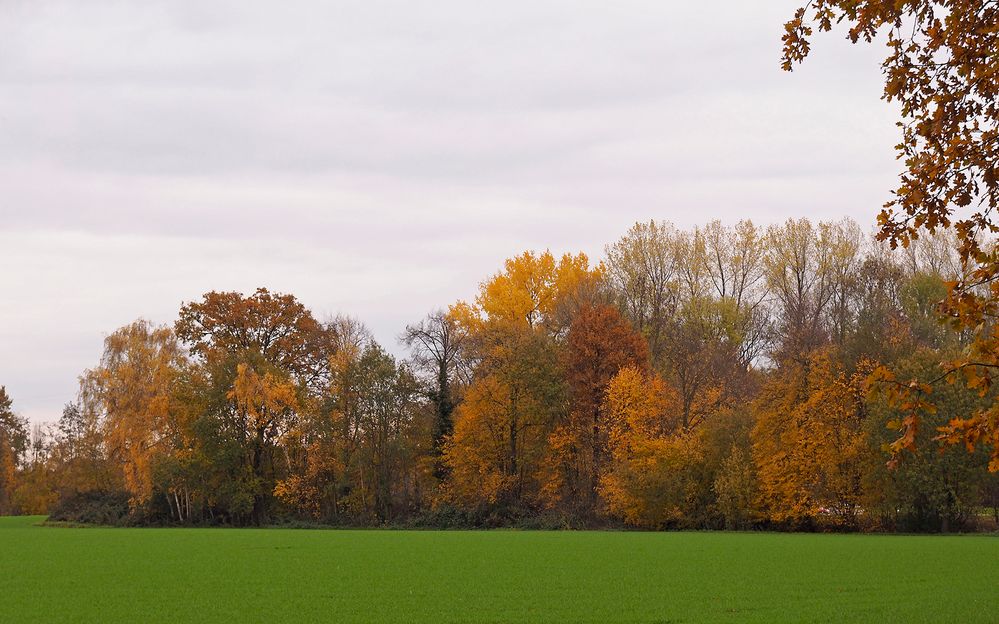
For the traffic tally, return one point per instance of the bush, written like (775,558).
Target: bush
(93,507)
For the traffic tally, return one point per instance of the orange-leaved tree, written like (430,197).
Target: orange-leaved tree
(132,392)
(253,350)
(649,481)
(808,441)
(13,443)
(515,330)
(599,344)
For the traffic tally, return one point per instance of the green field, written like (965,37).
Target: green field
(50,574)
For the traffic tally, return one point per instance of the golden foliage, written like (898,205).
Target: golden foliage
(133,391)
(599,344)
(262,399)
(495,442)
(534,291)
(650,479)
(809,439)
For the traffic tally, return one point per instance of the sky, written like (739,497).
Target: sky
(380,159)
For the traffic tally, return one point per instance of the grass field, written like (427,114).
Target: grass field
(274,575)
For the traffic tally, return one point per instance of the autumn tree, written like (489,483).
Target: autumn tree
(920,295)
(881,330)
(331,430)
(599,344)
(735,489)
(935,489)
(275,327)
(264,401)
(73,428)
(501,432)
(809,441)
(437,344)
(516,395)
(13,445)
(643,271)
(702,362)
(539,292)
(337,427)
(942,70)
(649,481)
(264,356)
(734,261)
(698,297)
(78,457)
(388,479)
(357,450)
(130,392)
(809,271)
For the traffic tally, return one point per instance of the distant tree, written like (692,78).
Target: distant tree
(72,428)
(387,481)
(264,359)
(699,299)
(275,327)
(516,396)
(599,344)
(809,272)
(643,271)
(734,259)
(702,361)
(880,330)
(501,431)
(809,441)
(13,445)
(437,344)
(652,479)
(336,430)
(735,489)
(538,292)
(78,454)
(935,489)
(132,393)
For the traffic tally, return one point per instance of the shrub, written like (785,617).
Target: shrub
(93,507)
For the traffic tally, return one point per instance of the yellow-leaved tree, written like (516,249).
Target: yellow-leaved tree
(265,403)
(13,443)
(516,394)
(132,393)
(809,440)
(649,481)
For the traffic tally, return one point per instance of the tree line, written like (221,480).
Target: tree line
(718,377)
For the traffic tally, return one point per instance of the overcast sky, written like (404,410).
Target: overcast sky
(381,158)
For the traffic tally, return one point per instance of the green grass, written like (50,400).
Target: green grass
(51,575)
